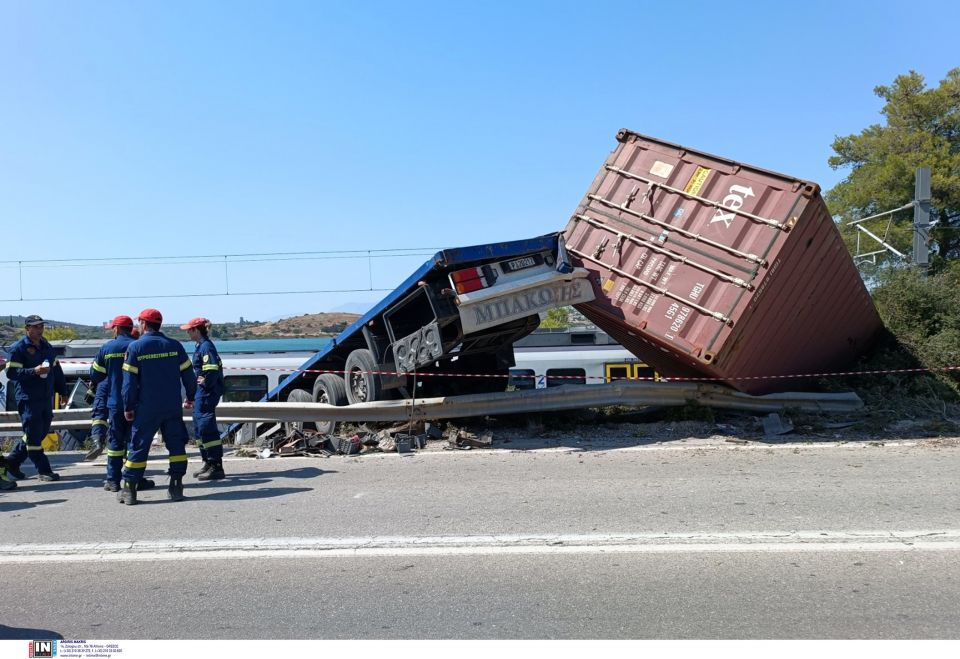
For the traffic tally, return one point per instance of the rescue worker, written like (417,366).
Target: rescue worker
(98,419)
(36,374)
(153,370)
(7,482)
(107,372)
(208,369)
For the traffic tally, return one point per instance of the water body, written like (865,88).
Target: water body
(265,345)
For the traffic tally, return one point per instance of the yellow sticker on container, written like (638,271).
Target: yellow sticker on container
(697,180)
(608,286)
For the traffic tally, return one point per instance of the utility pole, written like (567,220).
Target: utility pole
(921,220)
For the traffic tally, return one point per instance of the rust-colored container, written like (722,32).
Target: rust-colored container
(707,267)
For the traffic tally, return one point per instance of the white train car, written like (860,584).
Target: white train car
(544,367)
(246,376)
(542,360)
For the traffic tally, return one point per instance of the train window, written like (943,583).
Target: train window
(244,388)
(521,378)
(643,372)
(561,376)
(616,372)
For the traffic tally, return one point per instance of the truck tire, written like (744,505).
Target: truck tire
(363,386)
(299,396)
(330,389)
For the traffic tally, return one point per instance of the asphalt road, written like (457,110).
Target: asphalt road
(680,540)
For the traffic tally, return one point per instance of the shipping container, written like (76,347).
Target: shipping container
(706,267)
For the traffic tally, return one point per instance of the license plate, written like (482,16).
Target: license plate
(520,264)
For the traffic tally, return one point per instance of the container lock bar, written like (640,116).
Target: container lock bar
(716,315)
(683,232)
(703,200)
(736,281)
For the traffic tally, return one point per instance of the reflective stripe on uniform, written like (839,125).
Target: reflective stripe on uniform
(185,365)
(100,369)
(135,465)
(14,365)
(98,422)
(115,453)
(178,458)
(216,442)
(131,368)
(210,367)
(34,448)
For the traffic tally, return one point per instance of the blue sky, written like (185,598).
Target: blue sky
(136,130)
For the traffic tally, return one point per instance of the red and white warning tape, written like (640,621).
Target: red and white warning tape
(942,369)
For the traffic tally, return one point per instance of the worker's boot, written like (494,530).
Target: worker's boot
(48,476)
(203,470)
(7,482)
(146,484)
(14,470)
(111,486)
(214,473)
(127,494)
(96,448)
(175,488)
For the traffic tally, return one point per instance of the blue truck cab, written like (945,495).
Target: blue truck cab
(458,314)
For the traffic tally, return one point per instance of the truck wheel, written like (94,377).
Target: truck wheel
(299,396)
(363,386)
(330,389)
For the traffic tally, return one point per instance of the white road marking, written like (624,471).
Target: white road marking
(476,545)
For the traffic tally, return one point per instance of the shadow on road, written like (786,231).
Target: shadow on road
(10,506)
(255,478)
(66,482)
(23,633)
(237,495)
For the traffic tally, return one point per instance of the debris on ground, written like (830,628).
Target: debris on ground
(609,430)
(774,425)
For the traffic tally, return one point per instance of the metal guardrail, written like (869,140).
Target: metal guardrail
(629,394)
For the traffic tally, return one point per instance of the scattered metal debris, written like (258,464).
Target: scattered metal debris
(839,425)
(465,438)
(774,425)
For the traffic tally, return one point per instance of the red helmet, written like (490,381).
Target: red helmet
(195,323)
(119,321)
(151,316)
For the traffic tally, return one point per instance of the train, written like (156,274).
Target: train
(543,359)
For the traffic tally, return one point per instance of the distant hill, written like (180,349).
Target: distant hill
(316,324)
(307,325)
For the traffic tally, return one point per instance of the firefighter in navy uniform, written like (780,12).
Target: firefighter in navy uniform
(97,397)
(7,482)
(36,375)
(153,370)
(107,373)
(209,372)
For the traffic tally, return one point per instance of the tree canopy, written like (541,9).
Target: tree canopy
(558,318)
(922,130)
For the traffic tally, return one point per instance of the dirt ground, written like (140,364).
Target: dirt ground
(605,430)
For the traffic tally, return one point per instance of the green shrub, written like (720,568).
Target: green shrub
(922,319)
